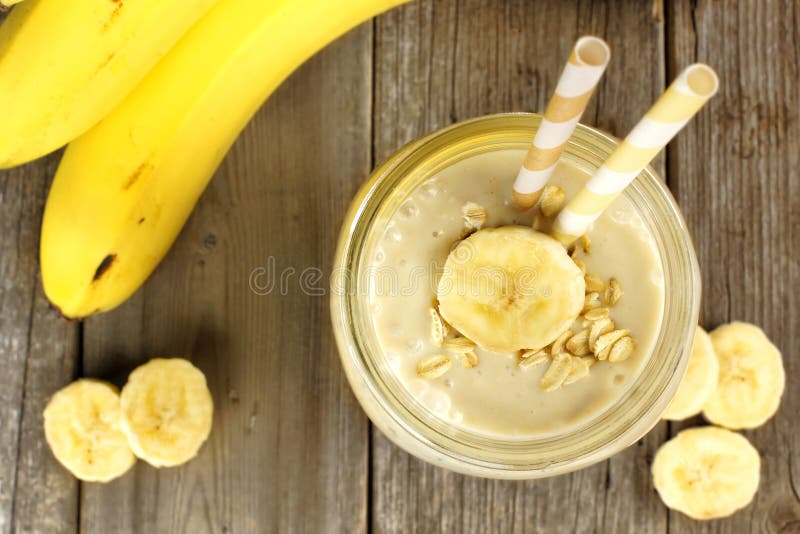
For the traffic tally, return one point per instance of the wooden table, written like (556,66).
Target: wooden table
(291,450)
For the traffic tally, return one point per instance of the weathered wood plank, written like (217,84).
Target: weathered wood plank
(288,451)
(735,175)
(441,62)
(37,354)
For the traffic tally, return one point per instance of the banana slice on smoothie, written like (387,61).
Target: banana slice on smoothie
(751,377)
(166,411)
(510,288)
(706,472)
(82,427)
(698,383)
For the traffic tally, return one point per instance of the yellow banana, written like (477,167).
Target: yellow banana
(5,4)
(707,472)
(82,425)
(699,382)
(167,411)
(510,288)
(125,188)
(751,377)
(64,65)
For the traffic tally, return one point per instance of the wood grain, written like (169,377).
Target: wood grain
(735,175)
(38,352)
(288,451)
(441,62)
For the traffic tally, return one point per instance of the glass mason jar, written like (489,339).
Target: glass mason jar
(413,427)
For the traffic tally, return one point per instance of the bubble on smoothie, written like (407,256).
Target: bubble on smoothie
(395,235)
(620,215)
(409,210)
(657,278)
(448,383)
(438,233)
(394,361)
(418,387)
(436,401)
(375,308)
(380,256)
(415,345)
(456,416)
(430,188)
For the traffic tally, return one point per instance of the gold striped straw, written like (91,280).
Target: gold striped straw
(687,94)
(586,65)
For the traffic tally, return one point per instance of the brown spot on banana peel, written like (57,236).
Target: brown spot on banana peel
(103,267)
(107,61)
(117,7)
(135,175)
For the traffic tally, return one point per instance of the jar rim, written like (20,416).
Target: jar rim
(428,437)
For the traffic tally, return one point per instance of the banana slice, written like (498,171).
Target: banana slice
(751,377)
(706,472)
(510,288)
(699,381)
(82,427)
(166,411)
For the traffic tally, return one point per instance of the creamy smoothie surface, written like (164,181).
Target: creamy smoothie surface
(491,393)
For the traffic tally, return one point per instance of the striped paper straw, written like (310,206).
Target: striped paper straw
(687,94)
(586,64)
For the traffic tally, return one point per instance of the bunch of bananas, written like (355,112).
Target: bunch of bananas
(149,95)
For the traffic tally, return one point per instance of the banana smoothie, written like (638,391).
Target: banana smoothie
(513,363)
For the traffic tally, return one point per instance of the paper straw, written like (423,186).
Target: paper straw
(586,65)
(687,94)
